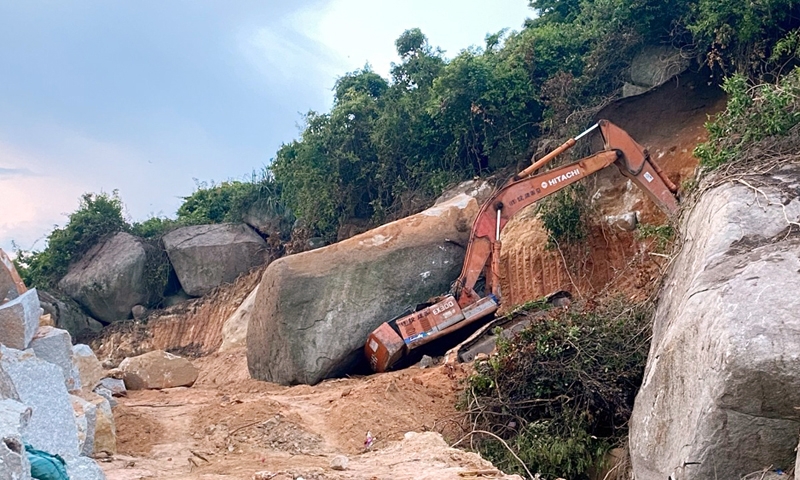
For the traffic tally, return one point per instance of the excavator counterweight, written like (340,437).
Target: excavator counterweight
(392,340)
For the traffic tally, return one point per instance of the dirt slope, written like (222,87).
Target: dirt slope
(228,426)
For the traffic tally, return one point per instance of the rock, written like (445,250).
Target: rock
(205,256)
(40,385)
(234,331)
(115,386)
(339,462)
(139,312)
(314,310)
(157,369)
(654,65)
(625,221)
(89,367)
(67,315)
(426,362)
(85,418)
(83,468)
(55,346)
(46,320)
(11,285)
(106,393)
(19,319)
(14,418)
(269,218)
(105,431)
(721,390)
(113,276)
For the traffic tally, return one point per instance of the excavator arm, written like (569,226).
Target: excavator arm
(389,342)
(483,249)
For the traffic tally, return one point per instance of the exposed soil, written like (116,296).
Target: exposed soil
(231,427)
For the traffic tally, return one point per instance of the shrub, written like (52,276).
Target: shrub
(754,112)
(98,215)
(560,392)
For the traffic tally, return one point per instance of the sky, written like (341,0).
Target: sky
(152,98)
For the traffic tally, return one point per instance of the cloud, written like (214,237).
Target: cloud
(15,172)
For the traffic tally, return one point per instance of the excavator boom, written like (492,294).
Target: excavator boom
(387,344)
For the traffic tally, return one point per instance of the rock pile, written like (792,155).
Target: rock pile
(46,391)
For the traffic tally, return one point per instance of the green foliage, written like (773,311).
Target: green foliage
(663,234)
(562,215)
(739,35)
(560,392)
(98,215)
(753,113)
(224,202)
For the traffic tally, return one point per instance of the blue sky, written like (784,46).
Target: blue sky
(149,97)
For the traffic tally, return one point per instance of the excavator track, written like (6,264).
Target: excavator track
(484,340)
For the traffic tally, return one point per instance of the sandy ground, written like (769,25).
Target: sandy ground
(228,426)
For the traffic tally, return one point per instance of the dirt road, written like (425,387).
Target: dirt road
(228,426)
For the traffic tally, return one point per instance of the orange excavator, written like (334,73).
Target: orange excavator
(390,342)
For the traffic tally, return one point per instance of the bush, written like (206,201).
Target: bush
(754,112)
(562,215)
(97,216)
(561,392)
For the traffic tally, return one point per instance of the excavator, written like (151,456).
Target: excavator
(394,339)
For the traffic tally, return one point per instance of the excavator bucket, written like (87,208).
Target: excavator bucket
(11,285)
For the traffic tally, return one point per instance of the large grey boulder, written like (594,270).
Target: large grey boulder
(113,276)
(14,418)
(19,319)
(157,369)
(721,388)
(40,385)
(314,310)
(67,315)
(206,256)
(55,346)
(653,66)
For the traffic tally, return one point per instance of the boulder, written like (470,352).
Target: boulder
(113,276)
(14,417)
(83,468)
(234,330)
(114,385)
(157,369)
(269,217)
(653,66)
(721,390)
(55,346)
(19,319)
(67,315)
(89,367)
(85,418)
(314,310)
(11,285)
(40,385)
(105,430)
(106,393)
(206,256)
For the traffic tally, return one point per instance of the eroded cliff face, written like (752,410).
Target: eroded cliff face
(721,388)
